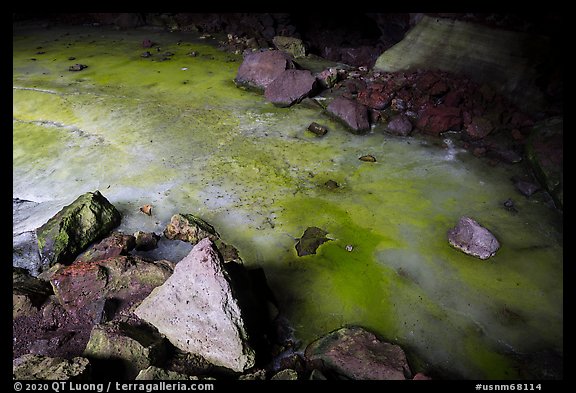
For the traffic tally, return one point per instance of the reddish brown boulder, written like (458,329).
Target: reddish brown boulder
(358,354)
(399,125)
(89,290)
(438,119)
(376,96)
(259,69)
(290,87)
(114,245)
(351,113)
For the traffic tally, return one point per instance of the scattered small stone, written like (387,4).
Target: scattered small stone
(145,54)
(509,205)
(317,129)
(349,247)
(147,43)
(473,239)
(40,53)
(146,209)
(331,184)
(77,67)
(71,58)
(398,105)
(192,54)
(526,188)
(368,158)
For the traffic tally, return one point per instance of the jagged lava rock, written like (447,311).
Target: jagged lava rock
(89,218)
(197,311)
(473,239)
(84,287)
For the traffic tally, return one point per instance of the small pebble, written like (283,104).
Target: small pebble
(368,158)
(317,129)
(77,67)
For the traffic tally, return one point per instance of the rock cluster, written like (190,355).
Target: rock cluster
(111,314)
(422,101)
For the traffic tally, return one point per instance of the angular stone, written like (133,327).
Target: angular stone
(356,353)
(479,128)
(89,218)
(351,113)
(37,367)
(196,309)
(189,228)
(291,45)
(375,96)
(435,120)
(259,69)
(290,87)
(114,245)
(146,241)
(84,288)
(526,188)
(473,239)
(132,347)
(28,293)
(399,125)
(328,77)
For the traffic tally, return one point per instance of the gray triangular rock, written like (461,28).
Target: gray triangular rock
(197,311)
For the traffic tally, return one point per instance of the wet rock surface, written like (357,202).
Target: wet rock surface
(473,239)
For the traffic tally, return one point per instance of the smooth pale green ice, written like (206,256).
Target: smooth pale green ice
(178,134)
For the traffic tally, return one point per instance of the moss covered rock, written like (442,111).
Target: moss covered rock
(122,350)
(89,218)
(32,367)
